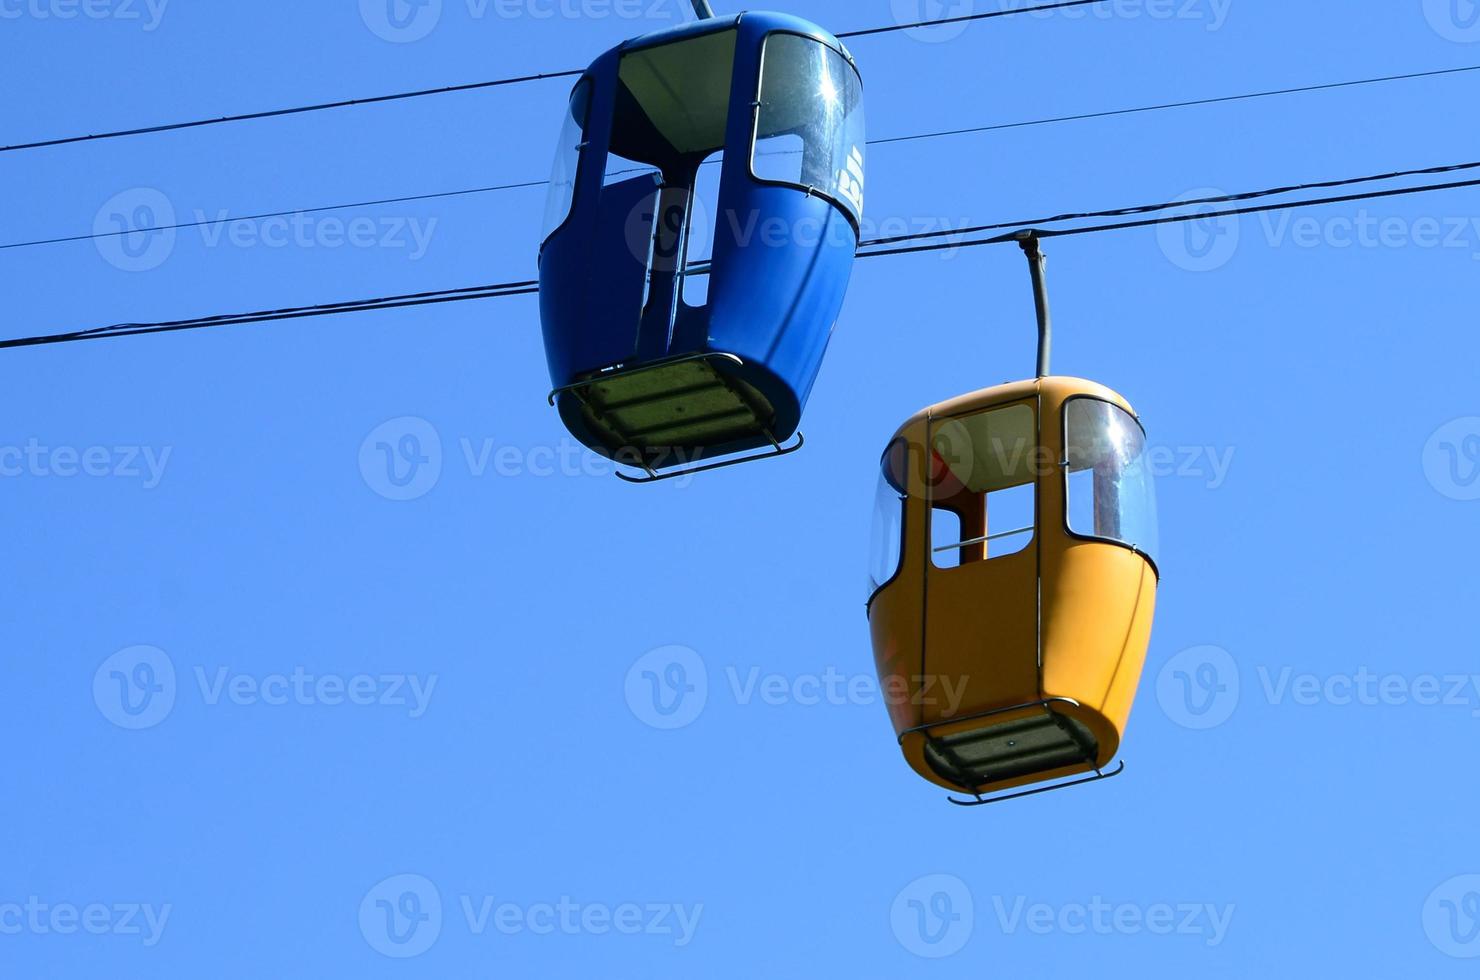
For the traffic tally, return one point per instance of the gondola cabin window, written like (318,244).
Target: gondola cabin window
(888,526)
(567,158)
(809,132)
(983,485)
(704,222)
(1111,494)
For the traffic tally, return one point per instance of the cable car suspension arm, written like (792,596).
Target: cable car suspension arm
(1037,262)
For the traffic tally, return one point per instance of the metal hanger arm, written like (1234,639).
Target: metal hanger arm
(1036,265)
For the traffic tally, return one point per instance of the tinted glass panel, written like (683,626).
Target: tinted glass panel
(703,220)
(810,127)
(888,526)
(567,158)
(1111,491)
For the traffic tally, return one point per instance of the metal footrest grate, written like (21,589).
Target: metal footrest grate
(1011,749)
(1001,751)
(665,415)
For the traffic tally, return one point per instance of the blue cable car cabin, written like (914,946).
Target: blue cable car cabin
(700,231)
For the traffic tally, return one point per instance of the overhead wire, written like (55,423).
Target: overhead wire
(965,18)
(493,291)
(1170,205)
(1167,219)
(291,111)
(148,229)
(471,86)
(1163,106)
(867,251)
(882,141)
(897,245)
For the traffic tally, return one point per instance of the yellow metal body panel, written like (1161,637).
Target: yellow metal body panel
(980,652)
(1066,619)
(1098,603)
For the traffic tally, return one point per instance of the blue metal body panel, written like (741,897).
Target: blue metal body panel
(781,261)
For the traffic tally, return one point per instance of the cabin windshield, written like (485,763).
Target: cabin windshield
(888,528)
(1111,492)
(810,128)
(567,158)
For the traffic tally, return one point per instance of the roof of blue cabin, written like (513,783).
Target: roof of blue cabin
(761,21)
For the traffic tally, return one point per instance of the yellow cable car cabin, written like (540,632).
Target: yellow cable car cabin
(1012,584)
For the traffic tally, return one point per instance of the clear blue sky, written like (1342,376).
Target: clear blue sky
(1312,808)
